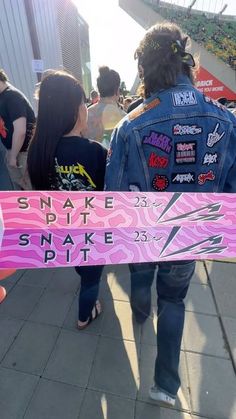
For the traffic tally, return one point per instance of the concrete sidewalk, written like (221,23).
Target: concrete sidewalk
(50,370)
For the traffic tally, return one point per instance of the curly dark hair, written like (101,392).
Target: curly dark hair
(162,57)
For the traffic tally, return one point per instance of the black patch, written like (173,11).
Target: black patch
(180,178)
(160,182)
(186,152)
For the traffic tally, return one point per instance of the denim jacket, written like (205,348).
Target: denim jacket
(178,140)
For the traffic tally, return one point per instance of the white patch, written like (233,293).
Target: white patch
(214,137)
(186,129)
(184,98)
(210,158)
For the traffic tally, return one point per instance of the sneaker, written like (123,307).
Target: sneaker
(162,398)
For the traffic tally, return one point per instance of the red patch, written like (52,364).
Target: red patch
(157,161)
(203,177)
(160,182)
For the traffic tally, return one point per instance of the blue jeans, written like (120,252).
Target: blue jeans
(89,287)
(172,284)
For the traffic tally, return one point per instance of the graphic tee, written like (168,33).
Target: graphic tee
(14,105)
(79,165)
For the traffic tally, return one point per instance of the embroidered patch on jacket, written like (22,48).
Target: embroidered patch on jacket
(186,152)
(160,182)
(203,177)
(158,161)
(214,102)
(178,178)
(186,129)
(210,158)
(214,137)
(184,98)
(134,187)
(143,108)
(159,140)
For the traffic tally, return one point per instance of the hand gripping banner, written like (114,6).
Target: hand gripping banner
(52,229)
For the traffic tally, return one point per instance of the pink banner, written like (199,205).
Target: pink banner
(49,229)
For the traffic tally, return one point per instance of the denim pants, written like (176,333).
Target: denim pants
(172,282)
(89,287)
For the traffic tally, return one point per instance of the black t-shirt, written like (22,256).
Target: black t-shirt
(79,165)
(14,105)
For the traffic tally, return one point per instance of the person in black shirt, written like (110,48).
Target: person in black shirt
(60,158)
(17,121)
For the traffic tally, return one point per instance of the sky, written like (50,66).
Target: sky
(114,35)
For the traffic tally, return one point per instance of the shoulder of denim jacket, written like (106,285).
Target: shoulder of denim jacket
(143,108)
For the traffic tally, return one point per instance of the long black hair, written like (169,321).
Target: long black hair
(60,97)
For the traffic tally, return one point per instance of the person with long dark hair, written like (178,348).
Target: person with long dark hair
(57,153)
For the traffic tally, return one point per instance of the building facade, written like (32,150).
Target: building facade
(49,31)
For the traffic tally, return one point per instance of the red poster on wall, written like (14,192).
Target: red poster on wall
(213,87)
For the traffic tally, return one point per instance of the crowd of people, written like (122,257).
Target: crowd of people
(173,139)
(216,35)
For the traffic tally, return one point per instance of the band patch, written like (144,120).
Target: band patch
(210,158)
(203,177)
(158,161)
(184,98)
(186,129)
(214,102)
(178,178)
(186,152)
(160,182)
(159,140)
(214,137)
(134,187)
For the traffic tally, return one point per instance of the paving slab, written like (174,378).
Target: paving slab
(223,281)
(16,389)
(200,300)
(106,284)
(12,280)
(37,277)
(200,274)
(52,307)
(203,334)
(64,279)
(9,329)
(118,322)
(20,302)
(120,289)
(147,363)
(100,405)
(53,400)
(150,411)
(115,368)
(213,384)
(230,328)
(32,348)
(72,358)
